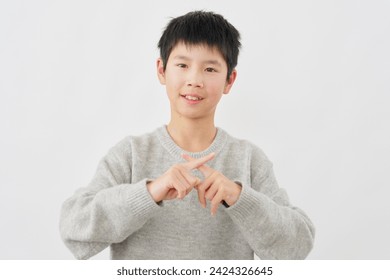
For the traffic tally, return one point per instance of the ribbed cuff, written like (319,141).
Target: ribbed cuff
(246,206)
(141,204)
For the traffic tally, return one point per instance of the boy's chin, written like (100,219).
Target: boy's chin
(194,115)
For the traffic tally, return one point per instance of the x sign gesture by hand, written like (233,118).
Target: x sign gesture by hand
(177,181)
(216,187)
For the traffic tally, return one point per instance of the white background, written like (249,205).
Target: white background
(312,91)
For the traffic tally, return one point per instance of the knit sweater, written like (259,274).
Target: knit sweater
(116,209)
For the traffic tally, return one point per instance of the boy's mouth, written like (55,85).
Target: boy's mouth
(192,97)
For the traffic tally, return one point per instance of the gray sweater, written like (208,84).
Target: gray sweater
(116,209)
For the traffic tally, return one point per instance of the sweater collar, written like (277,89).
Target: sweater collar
(168,143)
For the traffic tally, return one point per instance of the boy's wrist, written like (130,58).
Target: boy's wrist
(149,187)
(235,194)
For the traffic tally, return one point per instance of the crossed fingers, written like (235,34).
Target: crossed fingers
(197,163)
(183,180)
(177,181)
(216,187)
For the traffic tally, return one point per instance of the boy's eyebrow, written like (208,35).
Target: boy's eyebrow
(210,61)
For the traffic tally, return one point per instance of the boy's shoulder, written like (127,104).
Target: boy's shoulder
(124,145)
(247,147)
(243,143)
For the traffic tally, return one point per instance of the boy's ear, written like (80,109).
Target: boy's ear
(230,81)
(160,71)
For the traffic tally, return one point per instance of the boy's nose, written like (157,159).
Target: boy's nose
(195,80)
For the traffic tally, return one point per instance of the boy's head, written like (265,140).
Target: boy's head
(202,28)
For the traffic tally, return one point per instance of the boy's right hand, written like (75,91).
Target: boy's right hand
(177,181)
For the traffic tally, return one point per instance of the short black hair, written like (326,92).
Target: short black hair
(200,27)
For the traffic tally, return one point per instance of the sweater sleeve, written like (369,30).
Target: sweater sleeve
(271,225)
(109,209)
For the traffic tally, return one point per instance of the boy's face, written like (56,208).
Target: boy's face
(195,79)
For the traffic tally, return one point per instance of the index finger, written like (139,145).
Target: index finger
(203,168)
(194,164)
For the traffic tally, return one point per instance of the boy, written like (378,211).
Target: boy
(188,190)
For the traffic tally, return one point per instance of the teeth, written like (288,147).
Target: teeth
(192,97)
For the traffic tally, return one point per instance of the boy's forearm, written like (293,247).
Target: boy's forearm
(91,222)
(275,231)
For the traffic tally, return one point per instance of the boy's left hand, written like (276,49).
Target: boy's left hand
(216,187)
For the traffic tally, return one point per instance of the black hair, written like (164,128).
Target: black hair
(200,27)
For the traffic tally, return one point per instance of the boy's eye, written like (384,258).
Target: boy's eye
(209,69)
(182,65)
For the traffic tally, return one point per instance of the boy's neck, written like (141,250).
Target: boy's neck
(192,135)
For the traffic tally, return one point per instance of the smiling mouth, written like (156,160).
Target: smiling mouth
(192,98)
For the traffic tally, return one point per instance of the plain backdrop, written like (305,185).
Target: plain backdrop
(312,91)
